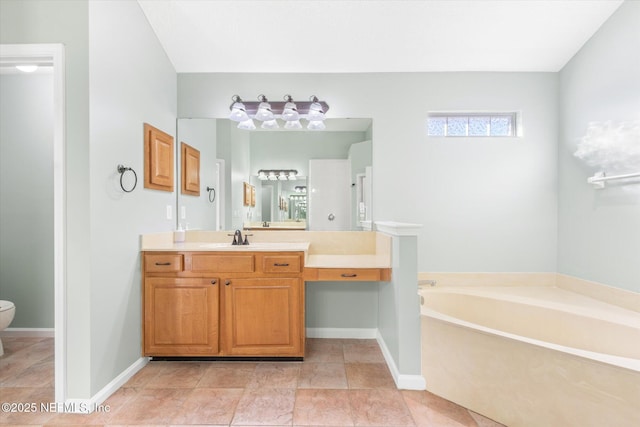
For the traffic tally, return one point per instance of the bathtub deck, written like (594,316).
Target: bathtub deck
(549,296)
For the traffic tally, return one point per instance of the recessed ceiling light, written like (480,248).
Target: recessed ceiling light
(27,68)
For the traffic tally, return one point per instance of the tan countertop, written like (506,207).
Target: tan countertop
(347,261)
(228,247)
(360,249)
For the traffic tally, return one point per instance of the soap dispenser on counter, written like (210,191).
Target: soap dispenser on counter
(179,234)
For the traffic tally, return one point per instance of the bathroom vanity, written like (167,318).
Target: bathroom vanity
(208,298)
(243,303)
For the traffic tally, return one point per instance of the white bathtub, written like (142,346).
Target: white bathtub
(532,356)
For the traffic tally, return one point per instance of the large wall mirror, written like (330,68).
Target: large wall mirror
(310,180)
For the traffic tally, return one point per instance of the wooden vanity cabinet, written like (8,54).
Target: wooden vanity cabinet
(223,304)
(181,316)
(263,316)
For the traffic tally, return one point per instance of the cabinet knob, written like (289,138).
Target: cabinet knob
(228,282)
(163,263)
(283,264)
(349,275)
(214,281)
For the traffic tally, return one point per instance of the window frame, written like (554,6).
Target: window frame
(512,115)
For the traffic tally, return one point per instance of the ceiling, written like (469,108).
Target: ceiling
(334,36)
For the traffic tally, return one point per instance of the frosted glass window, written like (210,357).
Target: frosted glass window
(479,126)
(457,126)
(436,126)
(501,126)
(471,124)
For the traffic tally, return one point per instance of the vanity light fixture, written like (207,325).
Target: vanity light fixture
(290,114)
(270,124)
(238,110)
(316,115)
(290,111)
(247,125)
(264,112)
(316,125)
(293,124)
(316,111)
(277,174)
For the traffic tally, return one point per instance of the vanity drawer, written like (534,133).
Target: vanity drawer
(221,263)
(355,274)
(282,263)
(163,263)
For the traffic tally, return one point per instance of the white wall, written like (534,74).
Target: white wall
(486,205)
(132,82)
(26,197)
(599,236)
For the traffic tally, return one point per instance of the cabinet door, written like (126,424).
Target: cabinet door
(158,159)
(263,317)
(181,316)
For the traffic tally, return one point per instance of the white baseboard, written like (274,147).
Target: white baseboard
(403,382)
(28,332)
(354,333)
(411,382)
(95,403)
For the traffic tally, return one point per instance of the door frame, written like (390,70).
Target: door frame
(56,54)
(220,197)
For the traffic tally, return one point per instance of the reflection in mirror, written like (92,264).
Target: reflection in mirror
(199,209)
(282,205)
(231,156)
(298,203)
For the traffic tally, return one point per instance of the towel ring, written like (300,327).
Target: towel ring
(122,169)
(211,191)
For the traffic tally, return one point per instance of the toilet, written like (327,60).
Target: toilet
(7,311)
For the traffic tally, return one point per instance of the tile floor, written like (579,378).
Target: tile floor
(340,383)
